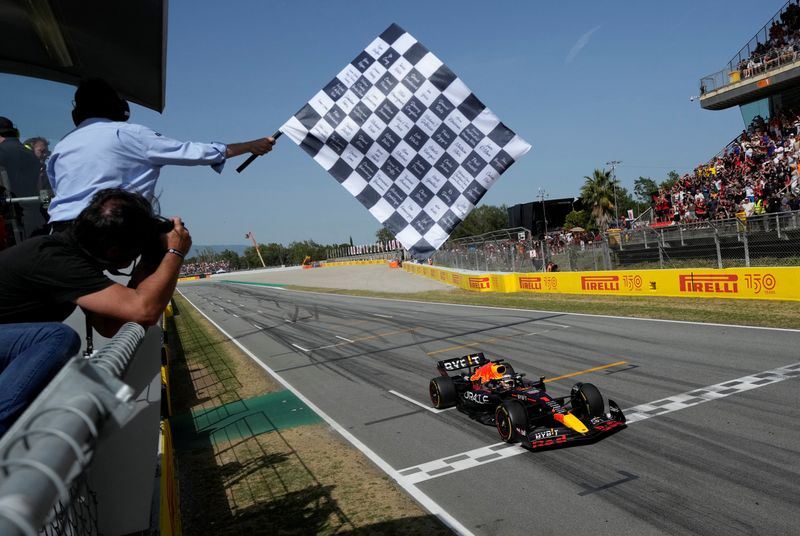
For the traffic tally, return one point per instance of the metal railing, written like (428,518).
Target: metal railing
(741,67)
(765,240)
(46,454)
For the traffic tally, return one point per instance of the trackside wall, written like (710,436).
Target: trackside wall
(770,283)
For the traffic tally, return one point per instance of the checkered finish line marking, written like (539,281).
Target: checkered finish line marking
(407,138)
(501,451)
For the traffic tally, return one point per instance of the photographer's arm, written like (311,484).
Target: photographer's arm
(117,304)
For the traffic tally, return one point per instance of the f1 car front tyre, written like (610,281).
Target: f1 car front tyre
(587,400)
(511,420)
(443,392)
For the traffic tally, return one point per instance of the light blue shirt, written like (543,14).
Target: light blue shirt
(103,154)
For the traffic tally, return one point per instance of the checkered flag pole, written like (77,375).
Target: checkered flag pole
(407,138)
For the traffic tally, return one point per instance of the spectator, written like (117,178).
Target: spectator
(41,150)
(45,278)
(21,168)
(30,356)
(105,151)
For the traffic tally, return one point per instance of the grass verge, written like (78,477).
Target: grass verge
(303,480)
(765,313)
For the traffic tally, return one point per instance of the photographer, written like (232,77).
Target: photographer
(45,278)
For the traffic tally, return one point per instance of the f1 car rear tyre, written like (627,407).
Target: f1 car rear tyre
(511,417)
(443,392)
(587,401)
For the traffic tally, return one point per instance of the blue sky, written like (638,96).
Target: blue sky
(583,82)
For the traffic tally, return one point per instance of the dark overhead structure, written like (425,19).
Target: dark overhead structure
(122,41)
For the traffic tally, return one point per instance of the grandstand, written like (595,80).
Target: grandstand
(756,176)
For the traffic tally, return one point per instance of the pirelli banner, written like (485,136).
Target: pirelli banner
(353,263)
(743,283)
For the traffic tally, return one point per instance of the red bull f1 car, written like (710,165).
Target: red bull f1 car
(491,392)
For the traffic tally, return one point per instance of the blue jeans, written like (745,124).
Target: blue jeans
(30,356)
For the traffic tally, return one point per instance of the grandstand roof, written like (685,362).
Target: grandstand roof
(124,42)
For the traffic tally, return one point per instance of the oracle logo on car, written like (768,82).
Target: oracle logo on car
(477,398)
(600,282)
(530,283)
(480,283)
(709,283)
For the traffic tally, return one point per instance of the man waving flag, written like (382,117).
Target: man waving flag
(405,136)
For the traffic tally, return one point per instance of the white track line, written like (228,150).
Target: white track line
(500,451)
(423,406)
(424,500)
(300,347)
(343,338)
(381,316)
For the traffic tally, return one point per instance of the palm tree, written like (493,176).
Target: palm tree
(597,193)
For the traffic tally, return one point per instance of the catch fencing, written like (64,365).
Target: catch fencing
(765,240)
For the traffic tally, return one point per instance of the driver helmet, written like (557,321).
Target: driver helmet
(507,381)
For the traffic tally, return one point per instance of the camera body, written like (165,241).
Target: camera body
(154,244)
(163,225)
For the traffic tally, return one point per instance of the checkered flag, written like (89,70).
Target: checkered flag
(405,136)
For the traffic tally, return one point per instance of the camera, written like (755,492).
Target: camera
(162,225)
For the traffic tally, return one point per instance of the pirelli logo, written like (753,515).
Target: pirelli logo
(456,279)
(480,283)
(709,283)
(600,282)
(530,283)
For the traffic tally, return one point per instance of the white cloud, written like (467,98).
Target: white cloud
(580,44)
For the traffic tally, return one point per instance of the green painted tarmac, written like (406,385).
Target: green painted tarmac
(240,419)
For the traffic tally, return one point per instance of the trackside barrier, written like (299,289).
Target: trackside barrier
(354,263)
(77,460)
(777,283)
(169,497)
(169,510)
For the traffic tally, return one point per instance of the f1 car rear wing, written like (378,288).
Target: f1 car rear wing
(457,363)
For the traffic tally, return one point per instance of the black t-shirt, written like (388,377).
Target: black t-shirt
(42,277)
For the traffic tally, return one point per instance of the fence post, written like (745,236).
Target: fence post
(746,248)
(778,225)
(680,230)
(644,236)
(544,259)
(660,257)
(719,251)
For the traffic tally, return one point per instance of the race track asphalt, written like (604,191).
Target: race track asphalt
(712,448)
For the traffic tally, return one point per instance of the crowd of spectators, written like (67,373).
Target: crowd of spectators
(756,174)
(781,46)
(197,268)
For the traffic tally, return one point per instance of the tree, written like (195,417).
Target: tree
(644,188)
(206,254)
(384,235)
(232,257)
(597,193)
(672,178)
(483,219)
(578,218)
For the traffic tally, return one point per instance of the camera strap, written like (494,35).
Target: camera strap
(89,335)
